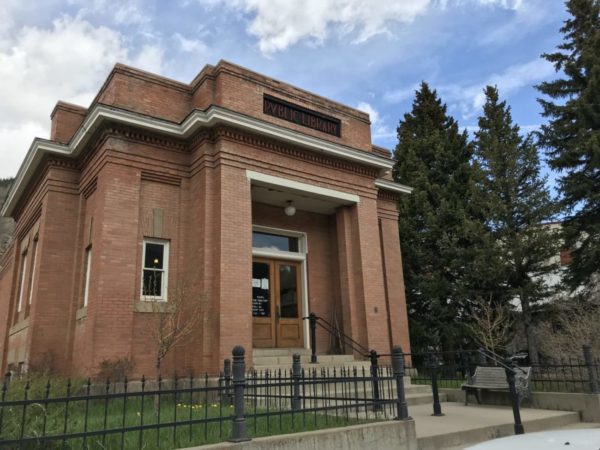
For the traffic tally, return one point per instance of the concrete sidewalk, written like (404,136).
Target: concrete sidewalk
(466,425)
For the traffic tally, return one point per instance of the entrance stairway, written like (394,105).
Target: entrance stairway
(273,360)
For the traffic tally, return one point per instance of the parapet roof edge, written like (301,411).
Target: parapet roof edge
(359,114)
(224,65)
(68,106)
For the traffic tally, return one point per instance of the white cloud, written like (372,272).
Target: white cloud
(470,99)
(373,114)
(530,15)
(130,12)
(6,16)
(279,24)
(149,58)
(14,143)
(67,61)
(190,45)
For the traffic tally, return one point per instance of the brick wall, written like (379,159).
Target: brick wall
(66,118)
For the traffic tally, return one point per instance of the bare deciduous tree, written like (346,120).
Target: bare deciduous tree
(173,322)
(491,325)
(571,323)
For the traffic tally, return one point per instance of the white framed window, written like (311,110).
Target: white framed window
(22,281)
(34,257)
(155,269)
(86,281)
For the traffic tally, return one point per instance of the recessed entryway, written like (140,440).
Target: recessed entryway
(276,303)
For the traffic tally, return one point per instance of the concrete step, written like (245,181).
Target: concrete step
(415,395)
(422,399)
(336,366)
(417,389)
(273,360)
(467,425)
(335,363)
(260,352)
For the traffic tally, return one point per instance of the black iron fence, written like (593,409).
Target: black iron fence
(451,369)
(235,406)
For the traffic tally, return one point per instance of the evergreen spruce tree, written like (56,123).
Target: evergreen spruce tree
(572,134)
(513,197)
(433,157)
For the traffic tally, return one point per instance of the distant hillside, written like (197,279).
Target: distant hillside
(7,225)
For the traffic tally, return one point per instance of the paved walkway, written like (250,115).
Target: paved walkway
(462,425)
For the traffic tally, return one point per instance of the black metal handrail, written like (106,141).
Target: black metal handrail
(499,360)
(334,331)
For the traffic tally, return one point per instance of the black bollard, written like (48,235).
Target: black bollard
(398,371)
(514,398)
(437,408)
(312,322)
(375,380)
(296,374)
(238,427)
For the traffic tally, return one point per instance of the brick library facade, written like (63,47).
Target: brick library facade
(265,201)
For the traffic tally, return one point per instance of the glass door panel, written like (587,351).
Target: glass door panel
(263,304)
(288,291)
(261,289)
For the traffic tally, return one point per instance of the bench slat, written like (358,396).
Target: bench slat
(494,378)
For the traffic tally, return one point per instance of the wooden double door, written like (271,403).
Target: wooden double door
(276,303)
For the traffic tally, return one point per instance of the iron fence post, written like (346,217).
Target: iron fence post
(482,358)
(375,379)
(238,427)
(437,407)
(589,362)
(296,374)
(514,398)
(227,378)
(398,371)
(312,321)
(461,363)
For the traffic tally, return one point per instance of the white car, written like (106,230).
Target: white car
(587,439)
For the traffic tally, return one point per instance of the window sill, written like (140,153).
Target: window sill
(153,306)
(19,326)
(81,313)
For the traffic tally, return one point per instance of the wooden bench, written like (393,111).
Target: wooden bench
(494,379)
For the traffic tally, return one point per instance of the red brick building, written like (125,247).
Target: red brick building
(160,184)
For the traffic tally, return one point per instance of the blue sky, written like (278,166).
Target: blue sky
(366,54)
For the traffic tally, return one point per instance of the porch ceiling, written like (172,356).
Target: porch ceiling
(278,196)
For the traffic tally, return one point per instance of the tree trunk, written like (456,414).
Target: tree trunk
(157,396)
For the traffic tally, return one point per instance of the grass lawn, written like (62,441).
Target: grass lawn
(54,419)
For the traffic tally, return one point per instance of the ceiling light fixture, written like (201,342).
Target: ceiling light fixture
(290,209)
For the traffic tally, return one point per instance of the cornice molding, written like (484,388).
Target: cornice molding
(391,186)
(293,151)
(214,115)
(386,195)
